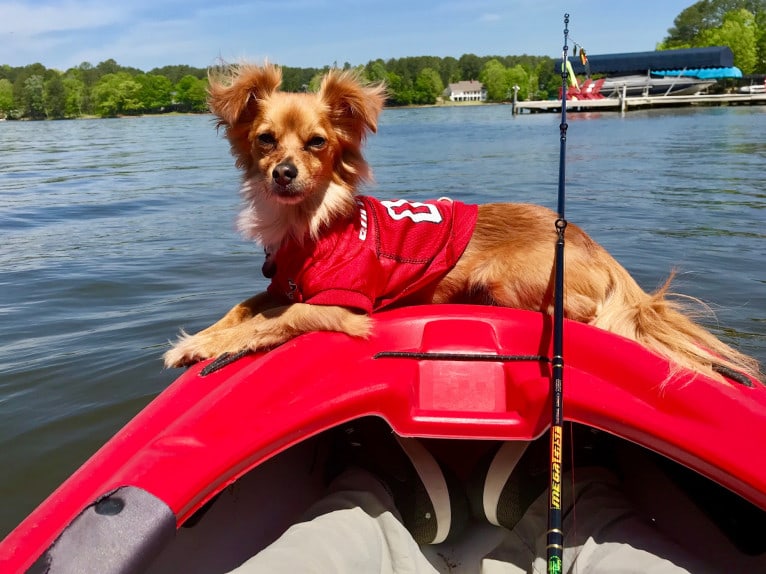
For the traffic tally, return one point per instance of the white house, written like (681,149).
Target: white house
(466,91)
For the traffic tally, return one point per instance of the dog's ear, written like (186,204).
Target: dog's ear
(234,93)
(354,107)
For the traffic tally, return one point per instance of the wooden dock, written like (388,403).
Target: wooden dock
(624,104)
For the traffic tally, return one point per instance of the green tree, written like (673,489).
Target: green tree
(428,86)
(315,82)
(495,79)
(85,72)
(20,76)
(88,76)
(116,94)
(715,22)
(108,67)
(760,41)
(738,31)
(176,73)
(6,97)
(401,90)
(518,76)
(470,66)
(54,98)
(450,70)
(393,87)
(155,93)
(74,92)
(33,97)
(375,71)
(297,79)
(405,68)
(704,15)
(548,79)
(191,94)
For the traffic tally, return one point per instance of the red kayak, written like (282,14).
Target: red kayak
(223,460)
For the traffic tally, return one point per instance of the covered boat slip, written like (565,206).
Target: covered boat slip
(232,456)
(711,58)
(659,73)
(639,80)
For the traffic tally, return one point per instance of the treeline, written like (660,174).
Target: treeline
(108,89)
(422,80)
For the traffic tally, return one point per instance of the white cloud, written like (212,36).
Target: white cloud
(147,44)
(149,33)
(63,33)
(27,20)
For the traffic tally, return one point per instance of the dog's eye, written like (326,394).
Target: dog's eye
(267,139)
(317,142)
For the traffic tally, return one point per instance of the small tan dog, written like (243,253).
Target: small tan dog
(302,162)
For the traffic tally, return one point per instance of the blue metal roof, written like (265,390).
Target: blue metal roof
(643,62)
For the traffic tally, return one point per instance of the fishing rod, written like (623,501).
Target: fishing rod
(555,535)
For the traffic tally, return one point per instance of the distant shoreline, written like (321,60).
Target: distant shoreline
(165,114)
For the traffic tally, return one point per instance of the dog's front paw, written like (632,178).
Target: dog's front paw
(190,349)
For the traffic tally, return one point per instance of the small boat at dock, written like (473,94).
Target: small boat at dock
(652,85)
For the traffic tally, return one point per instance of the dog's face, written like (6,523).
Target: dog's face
(294,147)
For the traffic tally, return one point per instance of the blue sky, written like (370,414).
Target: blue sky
(314,33)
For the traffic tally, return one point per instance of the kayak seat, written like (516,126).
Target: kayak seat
(429,498)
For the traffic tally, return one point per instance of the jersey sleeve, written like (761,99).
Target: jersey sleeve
(343,273)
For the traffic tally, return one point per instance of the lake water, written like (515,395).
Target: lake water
(116,233)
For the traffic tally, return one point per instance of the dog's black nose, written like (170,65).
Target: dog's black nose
(285,173)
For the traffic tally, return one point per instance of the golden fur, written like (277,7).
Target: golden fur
(302,163)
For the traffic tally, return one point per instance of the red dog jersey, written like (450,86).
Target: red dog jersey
(386,251)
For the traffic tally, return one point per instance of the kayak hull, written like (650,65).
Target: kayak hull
(439,371)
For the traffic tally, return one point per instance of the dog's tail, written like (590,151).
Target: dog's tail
(661,321)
